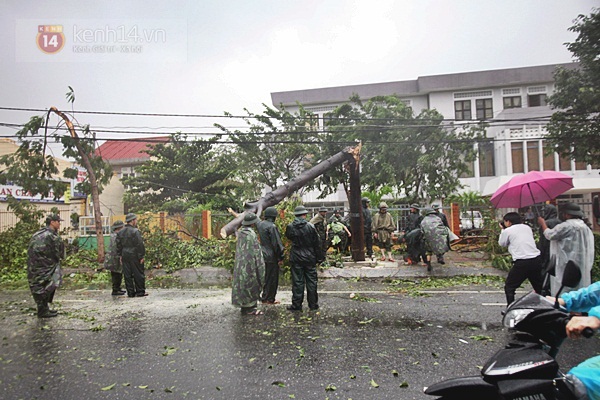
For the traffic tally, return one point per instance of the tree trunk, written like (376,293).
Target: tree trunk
(85,160)
(274,197)
(357,247)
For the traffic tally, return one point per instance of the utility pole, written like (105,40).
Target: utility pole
(357,225)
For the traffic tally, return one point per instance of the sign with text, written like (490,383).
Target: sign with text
(21,194)
(90,40)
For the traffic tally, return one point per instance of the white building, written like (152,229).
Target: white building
(512,101)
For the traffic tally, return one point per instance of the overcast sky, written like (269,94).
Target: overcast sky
(207,57)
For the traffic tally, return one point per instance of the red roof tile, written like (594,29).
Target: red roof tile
(128,149)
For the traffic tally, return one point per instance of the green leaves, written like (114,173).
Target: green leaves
(169,351)
(433,156)
(574,127)
(109,387)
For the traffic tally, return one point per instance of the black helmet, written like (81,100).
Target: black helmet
(365,200)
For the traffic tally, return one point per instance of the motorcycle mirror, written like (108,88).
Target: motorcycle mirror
(571,278)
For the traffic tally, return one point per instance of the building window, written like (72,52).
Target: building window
(533,156)
(517,157)
(536,100)
(564,163)
(484,108)
(512,102)
(486,159)
(462,110)
(548,157)
(312,122)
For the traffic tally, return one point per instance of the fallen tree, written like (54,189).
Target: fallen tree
(272,198)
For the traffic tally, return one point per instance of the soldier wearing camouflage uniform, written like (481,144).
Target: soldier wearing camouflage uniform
(382,227)
(367,221)
(112,261)
(130,247)
(320,224)
(435,235)
(249,269)
(272,249)
(44,253)
(338,232)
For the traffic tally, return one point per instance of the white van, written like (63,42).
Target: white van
(470,220)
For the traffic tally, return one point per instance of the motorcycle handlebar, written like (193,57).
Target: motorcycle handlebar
(587,333)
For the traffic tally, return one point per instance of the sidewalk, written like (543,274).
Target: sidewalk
(457,264)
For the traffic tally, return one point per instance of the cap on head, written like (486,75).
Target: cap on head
(53,217)
(300,210)
(430,211)
(117,224)
(271,212)
(383,204)
(130,217)
(415,206)
(572,209)
(323,209)
(365,200)
(250,219)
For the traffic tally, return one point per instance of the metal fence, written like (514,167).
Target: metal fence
(8,219)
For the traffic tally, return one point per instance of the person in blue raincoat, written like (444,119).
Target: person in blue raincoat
(585,300)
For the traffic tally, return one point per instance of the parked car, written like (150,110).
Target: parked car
(470,220)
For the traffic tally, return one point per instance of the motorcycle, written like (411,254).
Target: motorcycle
(526,368)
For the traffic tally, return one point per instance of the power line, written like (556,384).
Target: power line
(309,117)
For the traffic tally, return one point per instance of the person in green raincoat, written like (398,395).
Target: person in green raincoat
(112,261)
(249,269)
(44,253)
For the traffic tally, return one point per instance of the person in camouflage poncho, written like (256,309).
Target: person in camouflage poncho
(112,261)
(435,234)
(249,269)
(338,232)
(43,265)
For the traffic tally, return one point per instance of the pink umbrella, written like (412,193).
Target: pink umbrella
(531,188)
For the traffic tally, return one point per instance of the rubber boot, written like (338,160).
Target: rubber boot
(43,311)
(117,279)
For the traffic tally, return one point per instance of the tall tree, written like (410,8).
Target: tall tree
(276,146)
(36,171)
(575,127)
(181,174)
(417,155)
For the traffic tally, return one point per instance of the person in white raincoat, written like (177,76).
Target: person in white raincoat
(571,240)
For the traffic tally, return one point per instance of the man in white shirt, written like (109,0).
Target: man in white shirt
(527,260)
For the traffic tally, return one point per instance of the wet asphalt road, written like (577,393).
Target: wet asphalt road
(193,344)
